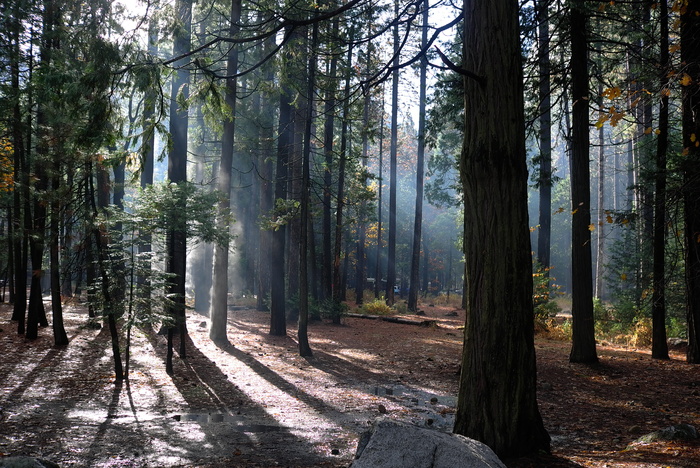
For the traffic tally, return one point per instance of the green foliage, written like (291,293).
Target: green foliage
(159,207)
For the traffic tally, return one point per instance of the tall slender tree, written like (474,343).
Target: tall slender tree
(583,337)
(690,56)
(219,297)
(420,164)
(177,172)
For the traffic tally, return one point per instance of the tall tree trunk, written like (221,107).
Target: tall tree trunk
(659,346)
(420,163)
(219,297)
(378,271)
(59,331)
(497,401)
(278,321)
(177,173)
(302,329)
(545,137)
(20,235)
(583,336)
(266,194)
(690,56)
(600,237)
(338,283)
(393,152)
(328,134)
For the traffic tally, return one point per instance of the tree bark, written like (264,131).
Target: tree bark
(393,152)
(583,336)
(690,55)
(177,173)
(497,401)
(219,297)
(414,285)
(544,234)
(659,345)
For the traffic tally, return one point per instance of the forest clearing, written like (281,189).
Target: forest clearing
(258,403)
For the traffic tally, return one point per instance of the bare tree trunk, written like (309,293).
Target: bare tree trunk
(420,163)
(690,55)
(583,336)
(497,401)
(177,173)
(219,297)
(545,136)
(393,152)
(659,346)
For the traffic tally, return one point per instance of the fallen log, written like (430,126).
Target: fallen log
(392,319)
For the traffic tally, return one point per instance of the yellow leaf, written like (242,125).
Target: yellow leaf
(647,130)
(666,92)
(609,219)
(574,212)
(623,277)
(693,137)
(697,144)
(625,221)
(591,227)
(674,48)
(686,151)
(657,131)
(686,79)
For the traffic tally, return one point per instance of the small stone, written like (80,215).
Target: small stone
(433,400)
(335,451)
(381,409)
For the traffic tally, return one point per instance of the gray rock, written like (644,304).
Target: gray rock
(26,462)
(677,432)
(391,444)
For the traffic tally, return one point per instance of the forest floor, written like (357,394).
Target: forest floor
(256,403)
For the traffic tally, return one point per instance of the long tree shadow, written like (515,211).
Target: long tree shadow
(231,421)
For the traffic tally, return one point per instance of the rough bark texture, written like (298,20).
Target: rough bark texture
(690,55)
(583,339)
(497,398)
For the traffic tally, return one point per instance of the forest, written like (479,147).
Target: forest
(180,179)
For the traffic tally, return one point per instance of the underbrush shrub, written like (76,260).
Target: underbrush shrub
(376,307)
(453,300)
(553,330)
(642,333)
(327,309)
(401,307)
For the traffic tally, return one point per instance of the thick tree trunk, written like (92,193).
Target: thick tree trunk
(219,296)
(497,398)
(583,340)
(690,55)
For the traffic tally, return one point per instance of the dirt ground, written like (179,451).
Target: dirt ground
(257,403)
